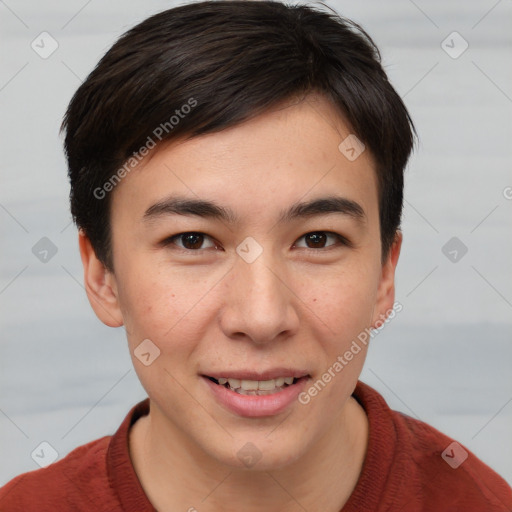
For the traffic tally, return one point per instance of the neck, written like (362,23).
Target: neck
(176,476)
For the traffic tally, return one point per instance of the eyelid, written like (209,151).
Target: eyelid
(170,241)
(341,241)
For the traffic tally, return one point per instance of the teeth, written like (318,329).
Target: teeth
(234,383)
(248,385)
(267,385)
(255,385)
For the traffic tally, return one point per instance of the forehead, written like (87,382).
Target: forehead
(294,151)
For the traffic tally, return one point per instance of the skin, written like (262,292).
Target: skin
(208,310)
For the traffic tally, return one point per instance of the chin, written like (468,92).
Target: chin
(259,453)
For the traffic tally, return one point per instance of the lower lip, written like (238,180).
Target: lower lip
(253,406)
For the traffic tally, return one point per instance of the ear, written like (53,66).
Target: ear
(100,285)
(386,290)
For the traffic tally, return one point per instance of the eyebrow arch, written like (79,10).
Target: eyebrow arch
(177,205)
(323,206)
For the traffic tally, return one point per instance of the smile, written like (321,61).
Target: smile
(255,387)
(256,397)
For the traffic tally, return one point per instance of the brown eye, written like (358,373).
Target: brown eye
(320,239)
(191,241)
(315,240)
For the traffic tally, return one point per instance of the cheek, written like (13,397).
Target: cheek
(147,301)
(343,300)
(164,305)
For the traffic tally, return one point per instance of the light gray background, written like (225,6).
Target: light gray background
(67,379)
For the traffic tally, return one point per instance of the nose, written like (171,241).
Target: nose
(259,302)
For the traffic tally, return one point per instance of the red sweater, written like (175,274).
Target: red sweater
(404,470)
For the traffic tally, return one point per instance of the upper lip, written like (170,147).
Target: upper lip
(273,373)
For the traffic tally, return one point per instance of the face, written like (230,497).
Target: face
(251,254)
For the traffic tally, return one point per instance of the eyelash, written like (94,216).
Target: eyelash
(342,241)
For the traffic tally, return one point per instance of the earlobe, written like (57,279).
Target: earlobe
(100,285)
(386,291)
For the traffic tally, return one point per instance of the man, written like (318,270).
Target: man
(236,176)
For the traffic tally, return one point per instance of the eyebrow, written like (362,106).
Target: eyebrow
(176,205)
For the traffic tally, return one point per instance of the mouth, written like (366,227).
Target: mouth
(256,395)
(257,387)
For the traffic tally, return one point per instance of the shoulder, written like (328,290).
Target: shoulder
(79,481)
(410,465)
(446,474)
